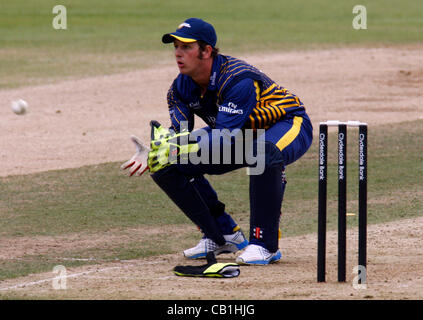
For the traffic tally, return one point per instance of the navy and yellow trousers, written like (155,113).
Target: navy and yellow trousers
(283,143)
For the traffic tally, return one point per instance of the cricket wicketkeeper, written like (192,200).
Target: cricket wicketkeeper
(236,98)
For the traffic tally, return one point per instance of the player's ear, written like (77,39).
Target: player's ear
(205,50)
(208,51)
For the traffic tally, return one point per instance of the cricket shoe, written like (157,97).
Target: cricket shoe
(258,255)
(234,242)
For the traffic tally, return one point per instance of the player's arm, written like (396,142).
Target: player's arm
(167,145)
(234,111)
(179,112)
(237,105)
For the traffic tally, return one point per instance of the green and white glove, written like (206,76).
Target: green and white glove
(180,146)
(212,269)
(168,147)
(137,165)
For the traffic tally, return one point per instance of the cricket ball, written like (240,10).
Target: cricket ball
(19,106)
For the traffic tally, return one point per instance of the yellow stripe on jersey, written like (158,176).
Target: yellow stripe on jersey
(174,117)
(275,112)
(274,91)
(262,113)
(256,85)
(266,114)
(272,110)
(292,133)
(233,75)
(271,105)
(257,116)
(273,86)
(251,118)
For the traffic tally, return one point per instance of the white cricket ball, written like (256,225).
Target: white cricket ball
(19,106)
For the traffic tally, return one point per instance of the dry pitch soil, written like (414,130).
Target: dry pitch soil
(89,121)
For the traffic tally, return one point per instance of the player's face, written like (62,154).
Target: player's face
(186,55)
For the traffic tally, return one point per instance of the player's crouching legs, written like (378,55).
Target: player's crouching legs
(181,191)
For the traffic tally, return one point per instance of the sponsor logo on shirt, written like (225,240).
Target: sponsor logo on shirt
(231,109)
(213,78)
(195,105)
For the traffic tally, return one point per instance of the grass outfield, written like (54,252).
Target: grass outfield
(104,37)
(97,200)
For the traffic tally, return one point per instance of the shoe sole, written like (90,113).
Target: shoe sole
(202,255)
(273,259)
(196,256)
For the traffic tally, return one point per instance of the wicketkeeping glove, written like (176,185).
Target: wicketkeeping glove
(158,133)
(138,163)
(212,269)
(168,147)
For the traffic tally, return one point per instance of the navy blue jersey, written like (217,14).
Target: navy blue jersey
(238,96)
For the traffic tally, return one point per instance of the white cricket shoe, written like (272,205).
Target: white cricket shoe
(234,242)
(258,255)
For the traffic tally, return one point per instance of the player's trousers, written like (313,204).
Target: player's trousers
(280,145)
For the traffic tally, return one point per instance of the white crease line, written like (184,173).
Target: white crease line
(27,284)
(166,278)
(81,259)
(51,279)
